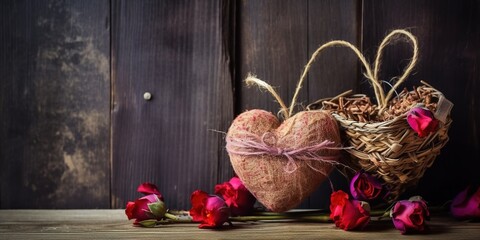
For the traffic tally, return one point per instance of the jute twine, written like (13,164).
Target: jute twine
(253,145)
(390,149)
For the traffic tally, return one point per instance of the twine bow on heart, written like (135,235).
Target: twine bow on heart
(252,144)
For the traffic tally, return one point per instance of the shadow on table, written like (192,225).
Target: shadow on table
(380,226)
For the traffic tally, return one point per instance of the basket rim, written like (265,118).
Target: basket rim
(371,124)
(401,117)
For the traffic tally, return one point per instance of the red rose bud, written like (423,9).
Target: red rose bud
(211,211)
(145,208)
(149,188)
(409,216)
(422,121)
(348,214)
(466,205)
(365,187)
(236,196)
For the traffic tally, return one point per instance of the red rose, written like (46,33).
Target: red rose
(365,187)
(466,204)
(148,207)
(348,214)
(236,196)
(422,121)
(210,210)
(409,215)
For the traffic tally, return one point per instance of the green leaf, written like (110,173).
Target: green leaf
(148,223)
(157,209)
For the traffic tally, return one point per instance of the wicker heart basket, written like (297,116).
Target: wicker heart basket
(391,149)
(381,141)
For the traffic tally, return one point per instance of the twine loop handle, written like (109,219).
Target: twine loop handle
(372,76)
(378,60)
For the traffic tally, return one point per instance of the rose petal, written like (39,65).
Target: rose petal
(353,188)
(236,183)
(236,196)
(151,198)
(354,217)
(409,216)
(338,198)
(422,121)
(216,212)
(141,211)
(149,188)
(466,204)
(129,210)
(364,187)
(198,200)
(228,193)
(348,215)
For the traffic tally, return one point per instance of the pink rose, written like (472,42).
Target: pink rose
(211,211)
(466,205)
(145,208)
(409,215)
(422,121)
(236,196)
(365,187)
(348,214)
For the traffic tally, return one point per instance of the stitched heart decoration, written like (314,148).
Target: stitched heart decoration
(283,163)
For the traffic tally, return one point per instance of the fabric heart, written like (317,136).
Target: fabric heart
(282,164)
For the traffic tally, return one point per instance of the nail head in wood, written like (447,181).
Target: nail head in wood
(147,96)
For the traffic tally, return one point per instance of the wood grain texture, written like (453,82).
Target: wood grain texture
(336,69)
(449,40)
(112,224)
(177,51)
(272,44)
(54,104)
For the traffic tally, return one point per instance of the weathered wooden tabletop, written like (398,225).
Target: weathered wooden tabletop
(112,224)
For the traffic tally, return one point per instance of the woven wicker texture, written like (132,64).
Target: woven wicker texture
(392,151)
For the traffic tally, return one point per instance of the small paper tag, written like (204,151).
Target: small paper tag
(444,106)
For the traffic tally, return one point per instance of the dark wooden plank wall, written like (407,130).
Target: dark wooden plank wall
(192,56)
(54,104)
(179,52)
